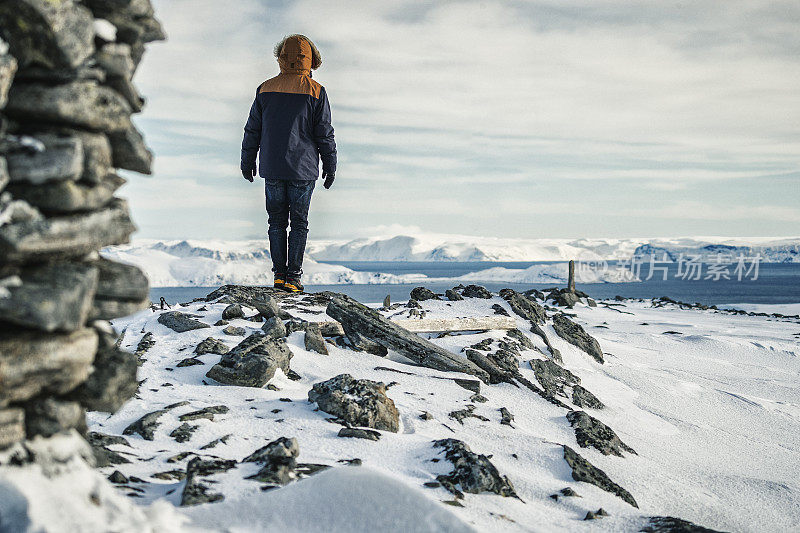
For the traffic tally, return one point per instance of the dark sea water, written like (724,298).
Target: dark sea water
(777,283)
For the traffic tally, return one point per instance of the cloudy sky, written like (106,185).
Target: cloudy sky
(539,118)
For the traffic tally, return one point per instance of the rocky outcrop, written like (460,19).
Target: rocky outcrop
(472,472)
(574,334)
(589,431)
(421,294)
(361,322)
(65,95)
(180,322)
(358,402)
(253,362)
(476,291)
(583,470)
(670,524)
(196,490)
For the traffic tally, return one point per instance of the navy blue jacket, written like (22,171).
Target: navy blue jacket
(290,128)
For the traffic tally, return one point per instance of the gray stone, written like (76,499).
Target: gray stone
(506,417)
(361,343)
(115,59)
(524,306)
(452,295)
(106,309)
(583,398)
(232,311)
(281,448)
(190,361)
(520,337)
(211,345)
(32,363)
(52,297)
(47,33)
(253,362)
(591,432)
(476,291)
(421,294)
(471,473)
(195,491)
(129,151)
(113,381)
(206,413)
(180,322)
(146,426)
(64,197)
(12,426)
(495,373)
(574,334)
(359,402)
(552,377)
(83,104)
(469,412)
(670,524)
(234,331)
(97,164)
(120,281)
(102,453)
(67,236)
(313,339)
(147,341)
(61,159)
(274,328)
(183,432)
(8,67)
(359,319)
(118,477)
(368,434)
(583,470)
(48,416)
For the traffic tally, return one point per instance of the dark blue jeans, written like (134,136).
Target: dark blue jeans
(288,201)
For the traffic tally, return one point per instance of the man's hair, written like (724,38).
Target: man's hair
(316,58)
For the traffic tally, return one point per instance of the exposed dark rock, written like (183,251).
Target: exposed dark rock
(48,416)
(191,361)
(496,374)
(118,281)
(253,362)
(359,402)
(360,343)
(67,236)
(273,327)
(51,297)
(206,412)
(478,398)
(452,295)
(484,344)
(421,294)
(583,398)
(591,432)
(128,149)
(471,473)
(215,442)
(145,344)
(118,477)
(180,322)
(278,459)
(12,426)
(476,291)
(32,363)
(358,319)
(669,524)
(369,434)
(593,515)
(468,412)
(500,310)
(232,311)
(552,377)
(102,454)
(282,447)
(234,331)
(507,417)
(583,470)
(195,491)
(505,360)
(183,432)
(574,334)
(524,306)
(46,33)
(146,426)
(313,339)
(211,345)
(472,385)
(425,415)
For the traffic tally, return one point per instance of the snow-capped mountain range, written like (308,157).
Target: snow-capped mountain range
(210,263)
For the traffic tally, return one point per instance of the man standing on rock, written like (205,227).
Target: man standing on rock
(290,128)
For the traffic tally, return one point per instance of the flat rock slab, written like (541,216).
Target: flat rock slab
(68,236)
(146,426)
(119,281)
(359,320)
(368,434)
(472,472)
(211,345)
(196,491)
(282,447)
(180,322)
(56,296)
(583,470)
(670,524)
(60,159)
(524,306)
(32,363)
(253,362)
(65,197)
(574,334)
(359,402)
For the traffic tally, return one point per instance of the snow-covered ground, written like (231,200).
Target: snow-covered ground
(709,400)
(212,263)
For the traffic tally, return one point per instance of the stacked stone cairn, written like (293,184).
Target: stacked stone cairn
(66,100)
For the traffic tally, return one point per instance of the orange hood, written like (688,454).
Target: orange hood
(295,56)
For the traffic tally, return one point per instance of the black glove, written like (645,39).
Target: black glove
(328,177)
(249,174)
